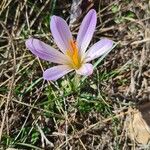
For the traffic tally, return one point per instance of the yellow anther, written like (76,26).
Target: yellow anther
(73,53)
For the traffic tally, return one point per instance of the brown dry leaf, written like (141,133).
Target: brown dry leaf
(138,125)
(77,9)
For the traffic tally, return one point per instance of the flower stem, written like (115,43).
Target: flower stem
(76,82)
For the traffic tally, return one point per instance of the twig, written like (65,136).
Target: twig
(44,137)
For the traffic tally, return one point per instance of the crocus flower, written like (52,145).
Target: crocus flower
(73,54)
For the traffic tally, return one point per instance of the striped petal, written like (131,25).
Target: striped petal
(85,69)
(98,49)
(61,33)
(86,30)
(56,72)
(44,51)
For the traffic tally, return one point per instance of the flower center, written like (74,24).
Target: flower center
(73,53)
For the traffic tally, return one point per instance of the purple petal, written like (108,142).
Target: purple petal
(86,30)
(56,72)
(99,49)
(61,33)
(86,69)
(44,51)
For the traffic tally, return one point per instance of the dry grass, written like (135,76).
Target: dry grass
(36,114)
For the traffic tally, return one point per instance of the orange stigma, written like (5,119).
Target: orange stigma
(73,53)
